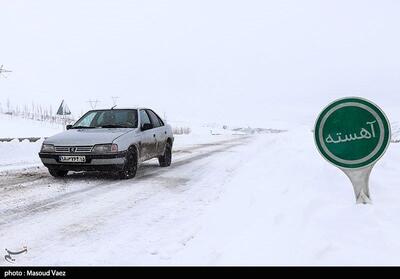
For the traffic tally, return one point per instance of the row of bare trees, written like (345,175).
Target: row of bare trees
(181,130)
(35,112)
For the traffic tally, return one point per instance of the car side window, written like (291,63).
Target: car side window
(144,118)
(160,120)
(154,119)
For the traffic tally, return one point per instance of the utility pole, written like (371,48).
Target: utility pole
(93,103)
(114,99)
(2,71)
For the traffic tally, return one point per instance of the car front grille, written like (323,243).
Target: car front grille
(73,149)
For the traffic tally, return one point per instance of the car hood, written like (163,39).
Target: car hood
(87,136)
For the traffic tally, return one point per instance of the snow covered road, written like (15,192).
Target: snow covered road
(108,221)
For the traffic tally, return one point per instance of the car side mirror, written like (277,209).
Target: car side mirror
(69,127)
(147,126)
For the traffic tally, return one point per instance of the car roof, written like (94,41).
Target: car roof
(138,108)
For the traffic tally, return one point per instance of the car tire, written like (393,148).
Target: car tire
(58,173)
(131,165)
(165,160)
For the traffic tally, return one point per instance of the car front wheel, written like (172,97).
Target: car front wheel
(166,158)
(131,165)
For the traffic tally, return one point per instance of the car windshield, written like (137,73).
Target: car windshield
(112,118)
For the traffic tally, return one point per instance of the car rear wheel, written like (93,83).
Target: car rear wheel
(131,165)
(58,173)
(165,160)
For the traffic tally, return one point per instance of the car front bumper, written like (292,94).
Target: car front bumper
(94,162)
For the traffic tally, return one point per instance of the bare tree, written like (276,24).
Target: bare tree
(8,105)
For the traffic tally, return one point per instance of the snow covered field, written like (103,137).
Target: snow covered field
(12,126)
(289,207)
(15,154)
(266,199)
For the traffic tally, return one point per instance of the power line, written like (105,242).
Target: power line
(2,71)
(93,103)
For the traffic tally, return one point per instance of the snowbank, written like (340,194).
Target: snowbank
(12,126)
(201,133)
(17,154)
(287,206)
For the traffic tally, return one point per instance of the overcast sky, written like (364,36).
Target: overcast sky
(223,61)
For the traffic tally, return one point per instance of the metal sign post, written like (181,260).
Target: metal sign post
(63,110)
(360,180)
(353,134)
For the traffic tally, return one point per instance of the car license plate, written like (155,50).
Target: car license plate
(73,159)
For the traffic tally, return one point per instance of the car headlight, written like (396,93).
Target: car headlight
(105,148)
(47,148)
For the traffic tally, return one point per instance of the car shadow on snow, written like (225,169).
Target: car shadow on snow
(112,176)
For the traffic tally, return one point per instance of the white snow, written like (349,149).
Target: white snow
(16,155)
(267,199)
(14,126)
(287,206)
(107,221)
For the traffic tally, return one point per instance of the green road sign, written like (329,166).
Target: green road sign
(352,133)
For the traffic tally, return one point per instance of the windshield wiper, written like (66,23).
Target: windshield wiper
(82,127)
(114,126)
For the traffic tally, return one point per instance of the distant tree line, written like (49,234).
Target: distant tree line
(181,130)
